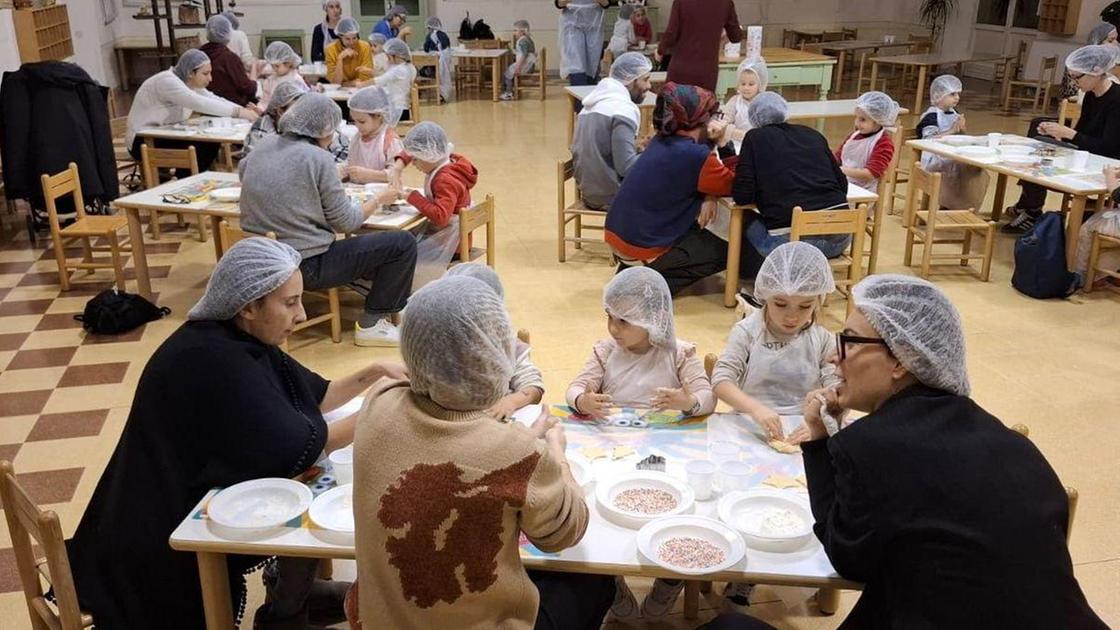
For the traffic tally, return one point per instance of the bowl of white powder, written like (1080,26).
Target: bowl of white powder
(769,520)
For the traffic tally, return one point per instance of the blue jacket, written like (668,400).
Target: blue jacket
(385,29)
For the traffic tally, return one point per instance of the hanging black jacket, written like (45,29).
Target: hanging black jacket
(53,113)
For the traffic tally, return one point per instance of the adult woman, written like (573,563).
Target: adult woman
(217,404)
(929,499)
(581,39)
(349,59)
(229,80)
(692,37)
(324,34)
(171,96)
(450,457)
(393,24)
(290,185)
(239,44)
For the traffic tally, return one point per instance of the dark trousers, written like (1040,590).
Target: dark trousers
(700,254)
(736,622)
(205,152)
(386,259)
(1033,196)
(572,601)
(295,599)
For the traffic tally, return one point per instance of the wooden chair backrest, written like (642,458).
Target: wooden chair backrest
(119,127)
(523,336)
(542,66)
(476,216)
(26,522)
(832,36)
(710,363)
(919,38)
(565,170)
(229,236)
(921,48)
(850,33)
(484,44)
(152,160)
(1069,112)
(923,193)
(1071,492)
(1047,69)
(827,222)
(57,186)
(1020,57)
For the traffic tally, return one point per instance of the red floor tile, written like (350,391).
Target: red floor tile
(51,486)
(58,426)
(58,321)
(15,267)
(26,307)
(8,451)
(42,358)
(93,374)
(24,403)
(12,341)
(4,293)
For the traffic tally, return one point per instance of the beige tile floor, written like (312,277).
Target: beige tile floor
(1048,364)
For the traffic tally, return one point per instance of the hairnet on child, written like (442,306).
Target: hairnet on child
(630,66)
(218,29)
(427,141)
(757,65)
(248,271)
(188,62)
(625,11)
(347,26)
(920,325)
(374,100)
(943,86)
(768,108)
(1100,32)
(377,38)
(434,23)
(283,96)
(458,344)
(397,48)
(521,24)
(313,116)
(281,52)
(481,272)
(1092,59)
(232,17)
(795,268)
(879,107)
(640,296)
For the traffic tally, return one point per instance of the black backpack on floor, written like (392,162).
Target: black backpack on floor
(113,312)
(1040,260)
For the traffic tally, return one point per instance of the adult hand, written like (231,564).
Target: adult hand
(812,411)
(248,114)
(404,32)
(674,398)
(717,130)
(1056,131)
(542,424)
(504,408)
(708,211)
(1112,177)
(347,53)
(388,196)
(595,405)
(657,56)
(769,421)
(798,435)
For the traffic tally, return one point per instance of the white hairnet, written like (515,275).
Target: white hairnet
(757,65)
(625,11)
(248,271)
(347,26)
(879,107)
(768,108)
(481,272)
(396,10)
(521,24)
(1092,59)
(630,66)
(920,325)
(327,3)
(188,62)
(795,268)
(377,38)
(427,141)
(640,296)
(233,21)
(458,345)
(434,23)
(943,86)
(218,29)
(398,48)
(375,100)
(283,96)
(1100,32)
(313,116)
(281,52)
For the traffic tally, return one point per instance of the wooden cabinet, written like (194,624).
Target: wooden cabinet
(1058,17)
(43,34)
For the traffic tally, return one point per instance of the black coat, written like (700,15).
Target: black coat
(52,113)
(950,519)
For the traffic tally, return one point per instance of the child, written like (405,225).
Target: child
(527,386)
(239,44)
(753,78)
(1106,222)
(623,36)
(866,154)
(962,186)
(283,97)
(525,57)
(285,69)
(439,43)
(778,354)
(374,151)
(642,365)
(397,80)
(643,30)
(380,59)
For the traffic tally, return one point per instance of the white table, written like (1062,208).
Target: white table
(200,129)
(496,57)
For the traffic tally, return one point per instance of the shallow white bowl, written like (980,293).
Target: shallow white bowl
(744,511)
(226,194)
(607,489)
(653,534)
(960,140)
(334,509)
(259,503)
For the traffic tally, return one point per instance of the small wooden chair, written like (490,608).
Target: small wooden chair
(26,522)
(470,220)
(925,219)
(83,229)
(427,84)
(1016,66)
(125,162)
(413,110)
(1100,242)
(832,223)
(885,204)
(710,360)
(152,160)
(228,236)
(535,81)
(1071,492)
(1036,92)
(900,175)
(573,213)
(850,33)
(1069,112)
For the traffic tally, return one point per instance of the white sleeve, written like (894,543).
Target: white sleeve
(171,89)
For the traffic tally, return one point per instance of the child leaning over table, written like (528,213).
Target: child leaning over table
(866,155)
(524,60)
(962,186)
(753,77)
(641,365)
(1106,222)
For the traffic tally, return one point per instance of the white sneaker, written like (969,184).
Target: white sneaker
(383,334)
(661,598)
(736,597)
(625,606)
(506,96)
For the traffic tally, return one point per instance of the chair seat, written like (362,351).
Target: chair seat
(92,225)
(45,571)
(954,219)
(579,208)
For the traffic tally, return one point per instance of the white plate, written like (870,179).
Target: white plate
(1015,149)
(959,140)
(1020,160)
(226,194)
(652,535)
(978,152)
(259,503)
(334,509)
(745,510)
(607,489)
(1016,140)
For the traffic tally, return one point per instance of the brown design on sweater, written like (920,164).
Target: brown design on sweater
(443,523)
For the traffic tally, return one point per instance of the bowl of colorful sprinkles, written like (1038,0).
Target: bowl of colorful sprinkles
(636,498)
(769,520)
(691,545)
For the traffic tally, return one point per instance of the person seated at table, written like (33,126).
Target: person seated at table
(239,44)
(526,387)
(436,41)
(285,69)
(283,97)
(644,366)
(866,155)
(1097,131)
(782,166)
(171,96)
(374,151)
(604,146)
(658,221)
(643,29)
(217,404)
(1106,222)
(1104,34)
(430,463)
(929,498)
(380,59)
(393,24)
(324,34)
(398,79)
(753,77)
(962,185)
(622,37)
(349,59)
(524,57)
(229,79)
(290,186)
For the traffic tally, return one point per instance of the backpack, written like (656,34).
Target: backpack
(483,31)
(466,32)
(113,312)
(1040,260)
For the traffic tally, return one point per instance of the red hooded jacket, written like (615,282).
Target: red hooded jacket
(451,190)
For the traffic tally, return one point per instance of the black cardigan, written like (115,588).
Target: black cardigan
(951,519)
(1098,129)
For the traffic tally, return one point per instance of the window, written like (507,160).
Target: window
(992,12)
(1023,13)
(1026,14)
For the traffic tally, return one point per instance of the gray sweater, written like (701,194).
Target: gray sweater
(291,187)
(603,151)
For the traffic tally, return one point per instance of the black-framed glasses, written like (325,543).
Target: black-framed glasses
(1075,76)
(177,199)
(843,339)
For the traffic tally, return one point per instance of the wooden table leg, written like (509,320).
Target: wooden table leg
(213,574)
(839,80)
(734,251)
(139,257)
(828,600)
(1073,227)
(216,228)
(920,92)
(874,75)
(122,68)
(495,76)
(691,599)
(997,201)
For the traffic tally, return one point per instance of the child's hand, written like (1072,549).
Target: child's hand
(707,212)
(798,435)
(595,405)
(962,124)
(769,421)
(557,441)
(671,398)
(504,408)
(387,196)
(1112,177)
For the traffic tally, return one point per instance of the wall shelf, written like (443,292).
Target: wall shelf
(1058,17)
(43,34)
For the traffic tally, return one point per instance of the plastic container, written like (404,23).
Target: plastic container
(342,463)
(734,476)
(701,475)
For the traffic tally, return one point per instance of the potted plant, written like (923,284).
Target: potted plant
(934,14)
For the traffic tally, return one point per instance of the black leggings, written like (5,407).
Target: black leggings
(1034,196)
(205,152)
(699,254)
(572,601)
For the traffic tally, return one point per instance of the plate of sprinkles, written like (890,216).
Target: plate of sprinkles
(636,498)
(691,545)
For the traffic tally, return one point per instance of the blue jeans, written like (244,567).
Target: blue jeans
(764,242)
(386,259)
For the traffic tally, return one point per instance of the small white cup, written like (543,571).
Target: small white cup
(1079,161)
(720,452)
(701,475)
(993,139)
(734,476)
(888,39)
(342,463)
(641,44)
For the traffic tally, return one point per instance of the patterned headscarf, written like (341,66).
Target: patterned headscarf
(682,108)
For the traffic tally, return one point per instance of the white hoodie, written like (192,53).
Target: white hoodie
(612,98)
